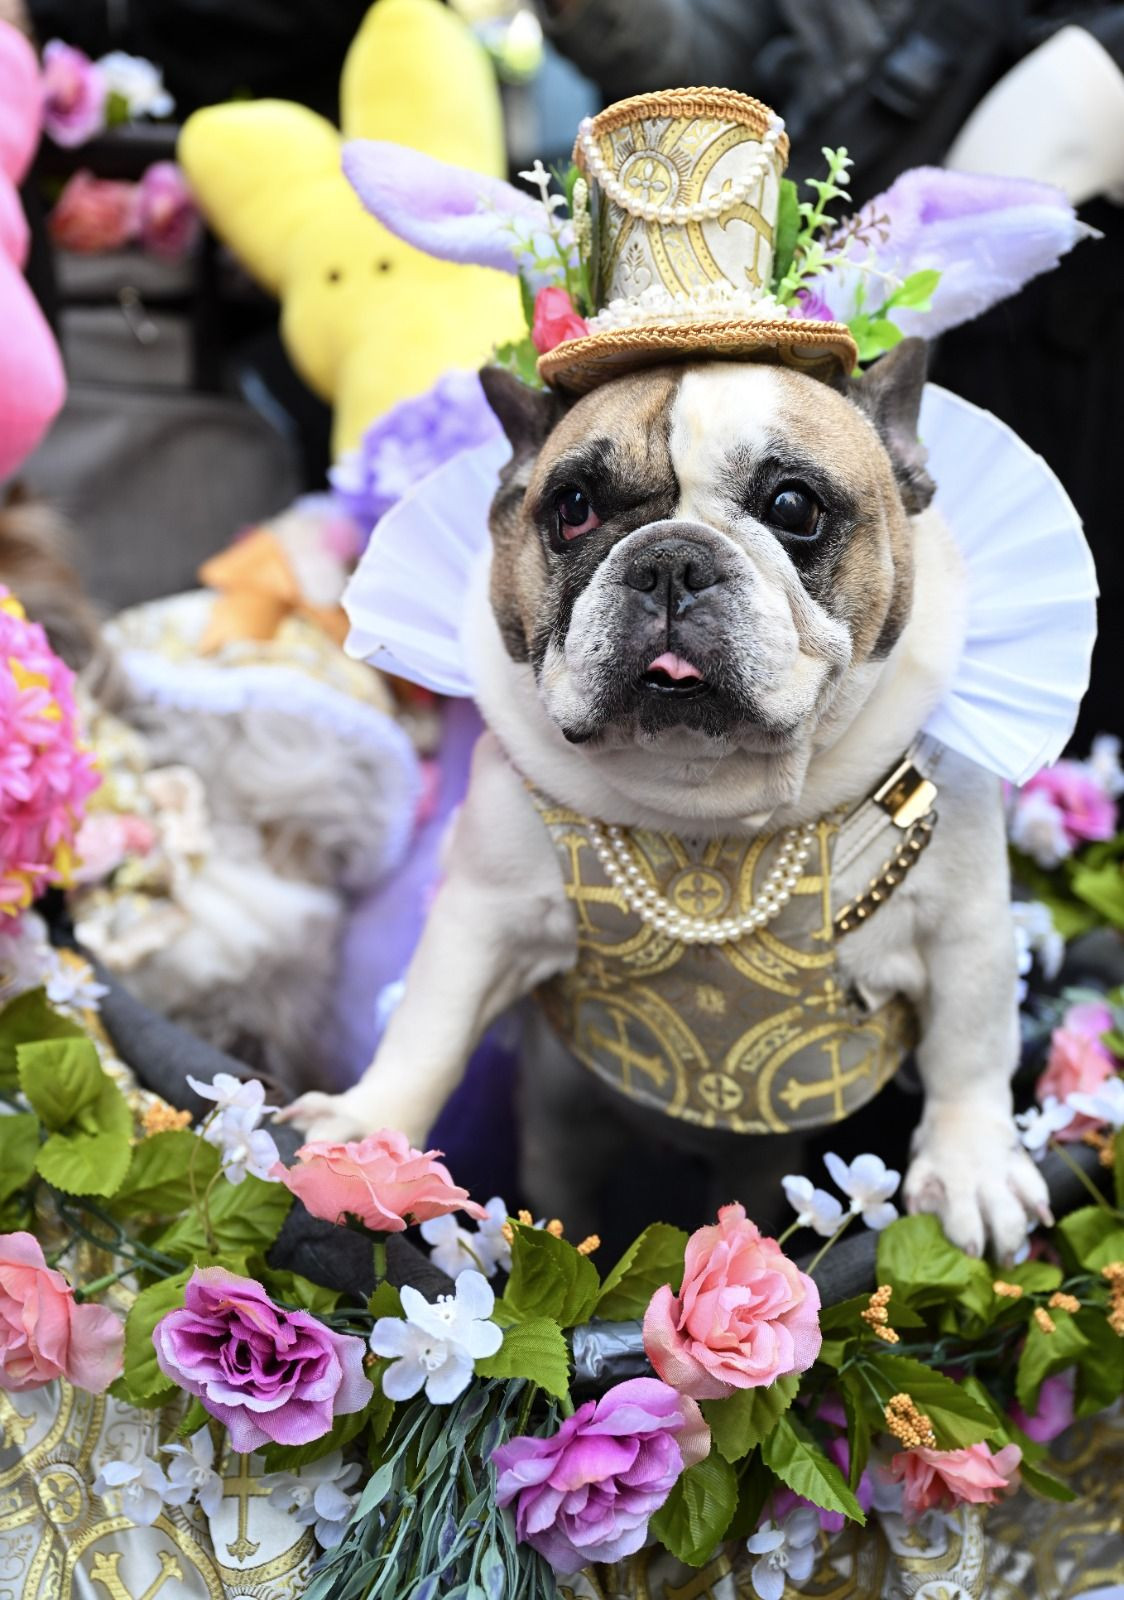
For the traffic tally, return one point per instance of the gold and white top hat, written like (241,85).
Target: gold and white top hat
(684,190)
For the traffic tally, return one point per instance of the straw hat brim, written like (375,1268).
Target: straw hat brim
(820,349)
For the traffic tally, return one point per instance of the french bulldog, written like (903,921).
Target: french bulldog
(719,605)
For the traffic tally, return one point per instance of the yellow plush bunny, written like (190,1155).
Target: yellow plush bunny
(366,319)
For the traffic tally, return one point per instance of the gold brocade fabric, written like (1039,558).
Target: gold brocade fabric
(754,1036)
(1024,1548)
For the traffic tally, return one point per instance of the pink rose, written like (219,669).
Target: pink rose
(944,1478)
(1087,811)
(44,1333)
(1055,1409)
(381,1179)
(74,95)
(555,320)
(745,1315)
(93,214)
(1078,1061)
(169,220)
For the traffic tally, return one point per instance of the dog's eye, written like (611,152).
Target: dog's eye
(575,514)
(795,510)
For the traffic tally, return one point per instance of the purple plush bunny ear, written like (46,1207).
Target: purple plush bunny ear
(446,211)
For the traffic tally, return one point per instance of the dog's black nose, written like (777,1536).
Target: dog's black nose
(672,569)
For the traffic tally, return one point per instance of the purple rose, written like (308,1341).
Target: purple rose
(266,1374)
(413,438)
(812,306)
(74,95)
(168,218)
(586,1494)
(1055,1409)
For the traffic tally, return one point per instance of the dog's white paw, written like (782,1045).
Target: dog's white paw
(971,1172)
(336,1118)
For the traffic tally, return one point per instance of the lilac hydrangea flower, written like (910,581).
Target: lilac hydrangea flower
(74,95)
(408,442)
(985,236)
(266,1374)
(587,1493)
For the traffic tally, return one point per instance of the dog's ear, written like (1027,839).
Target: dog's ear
(526,415)
(890,394)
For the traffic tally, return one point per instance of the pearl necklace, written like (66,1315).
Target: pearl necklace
(725,200)
(654,909)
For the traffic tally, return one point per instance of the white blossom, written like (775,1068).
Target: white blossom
(140,1486)
(868,1183)
(456,1249)
(1038,1126)
(1104,764)
(1104,1104)
(491,1242)
(244,1148)
(1036,935)
(786,1553)
(314,1496)
(139,83)
(814,1208)
(1037,828)
(192,1475)
(434,1346)
(233,1094)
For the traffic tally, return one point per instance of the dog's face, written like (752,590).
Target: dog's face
(710,554)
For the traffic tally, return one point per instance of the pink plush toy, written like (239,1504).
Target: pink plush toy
(32,382)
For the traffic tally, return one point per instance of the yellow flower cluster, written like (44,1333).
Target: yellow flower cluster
(556,1231)
(1064,1302)
(1007,1291)
(876,1315)
(1044,1320)
(908,1424)
(1113,1275)
(160,1118)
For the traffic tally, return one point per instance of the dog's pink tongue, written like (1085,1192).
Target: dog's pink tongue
(674,666)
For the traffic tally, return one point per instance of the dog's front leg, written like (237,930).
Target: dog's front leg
(968,1165)
(500,924)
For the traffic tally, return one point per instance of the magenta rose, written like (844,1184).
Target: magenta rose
(586,1493)
(44,1333)
(744,1317)
(266,1374)
(1088,813)
(1055,1409)
(74,95)
(555,321)
(168,218)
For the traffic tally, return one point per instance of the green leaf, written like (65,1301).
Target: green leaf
(1102,888)
(29,1019)
(144,1382)
(693,1520)
(1033,1277)
(245,1217)
(19,1146)
(156,1183)
(1100,1372)
(535,1350)
(521,358)
(857,1404)
(88,1150)
(1047,1353)
(801,1465)
(958,1419)
(650,1261)
(197,1417)
(290,1289)
(385,1301)
(1044,1483)
(845,1316)
(755,1484)
(1094,1237)
(549,1279)
(787,230)
(919,1263)
(917,290)
(62,1078)
(740,1422)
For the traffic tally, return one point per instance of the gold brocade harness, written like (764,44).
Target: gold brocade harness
(757,1035)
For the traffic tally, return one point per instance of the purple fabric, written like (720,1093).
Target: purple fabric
(446,211)
(266,1374)
(586,1494)
(408,442)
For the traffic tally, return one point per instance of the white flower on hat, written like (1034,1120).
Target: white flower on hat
(1104,764)
(140,1486)
(314,1496)
(192,1475)
(434,1346)
(1104,1104)
(869,1183)
(1038,829)
(140,84)
(786,1552)
(814,1208)
(1038,1125)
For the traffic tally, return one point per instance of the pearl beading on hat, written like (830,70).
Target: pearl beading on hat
(654,909)
(707,303)
(715,205)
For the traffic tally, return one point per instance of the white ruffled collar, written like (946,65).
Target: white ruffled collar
(1031,601)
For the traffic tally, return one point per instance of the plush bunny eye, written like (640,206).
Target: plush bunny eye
(575,514)
(334,275)
(383,265)
(795,510)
